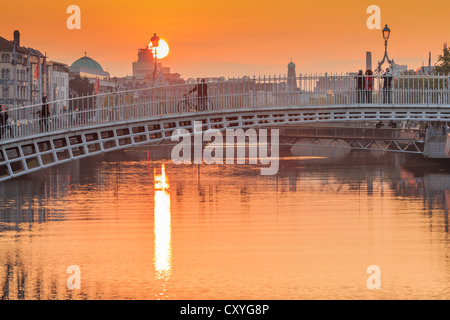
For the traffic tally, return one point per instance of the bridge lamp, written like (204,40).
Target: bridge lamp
(386,33)
(155,41)
(155,45)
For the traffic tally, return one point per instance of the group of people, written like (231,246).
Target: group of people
(365,85)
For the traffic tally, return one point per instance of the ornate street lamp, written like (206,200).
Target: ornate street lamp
(386,33)
(155,45)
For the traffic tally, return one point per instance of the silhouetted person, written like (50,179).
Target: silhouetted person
(368,85)
(6,123)
(387,86)
(2,123)
(45,113)
(202,94)
(360,87)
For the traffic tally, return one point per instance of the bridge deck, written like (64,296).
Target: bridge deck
(84,126)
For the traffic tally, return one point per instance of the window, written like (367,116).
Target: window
(5,92)
(3,73)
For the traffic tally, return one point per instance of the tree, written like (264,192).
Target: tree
(81,86)
(443,64)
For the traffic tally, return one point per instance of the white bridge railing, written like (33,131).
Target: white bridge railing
(223,94)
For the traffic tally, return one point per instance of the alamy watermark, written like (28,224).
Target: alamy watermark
(374,20)
(74,280)
(74,20)
(208,147)
(374,280)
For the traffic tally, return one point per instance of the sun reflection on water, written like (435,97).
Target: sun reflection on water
(162,228)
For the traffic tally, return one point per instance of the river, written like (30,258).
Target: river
(227,232)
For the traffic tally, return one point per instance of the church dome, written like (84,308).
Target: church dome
(291,65)
(87,62)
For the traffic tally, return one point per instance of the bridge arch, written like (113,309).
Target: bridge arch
(85,126)
(22,156)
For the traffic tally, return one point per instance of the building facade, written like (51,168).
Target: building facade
(10,76)
(59,85)
(144,67)
(19,85)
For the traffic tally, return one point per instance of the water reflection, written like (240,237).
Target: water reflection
(225,232)
(162,227)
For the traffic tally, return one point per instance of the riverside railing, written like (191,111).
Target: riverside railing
(223,94)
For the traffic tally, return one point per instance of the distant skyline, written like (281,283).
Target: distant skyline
(232,38)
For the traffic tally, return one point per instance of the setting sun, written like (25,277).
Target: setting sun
(163,49)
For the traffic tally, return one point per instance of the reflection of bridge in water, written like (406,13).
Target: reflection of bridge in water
(407,176)
(106,122)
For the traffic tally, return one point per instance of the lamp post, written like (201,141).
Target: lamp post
(386,33)
(155,45)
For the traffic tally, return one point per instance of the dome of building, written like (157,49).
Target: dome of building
(87,62)
(291,65)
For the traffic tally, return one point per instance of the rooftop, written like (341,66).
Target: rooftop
(87,62)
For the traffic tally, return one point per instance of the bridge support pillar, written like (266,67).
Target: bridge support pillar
(437,144)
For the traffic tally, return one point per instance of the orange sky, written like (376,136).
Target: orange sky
(232,38)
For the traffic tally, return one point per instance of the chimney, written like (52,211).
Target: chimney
(17,38)
(368,60)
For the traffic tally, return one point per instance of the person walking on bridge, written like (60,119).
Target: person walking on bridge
(2,121)
(387,86)
(45,113)
(202,95)
(360,87)
(368,86)
(5,121)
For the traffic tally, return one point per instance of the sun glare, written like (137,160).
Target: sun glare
(163,49)
(161,180)
(163,244)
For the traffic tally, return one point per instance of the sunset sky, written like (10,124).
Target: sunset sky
(232,38)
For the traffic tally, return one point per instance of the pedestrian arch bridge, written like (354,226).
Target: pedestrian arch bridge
(85,126)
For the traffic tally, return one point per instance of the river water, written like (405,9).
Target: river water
(227,232)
